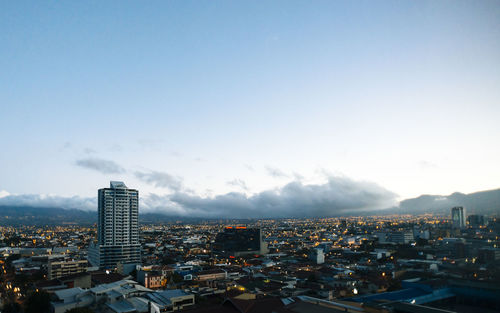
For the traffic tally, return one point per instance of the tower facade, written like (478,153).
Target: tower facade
(458,217)
(117,227)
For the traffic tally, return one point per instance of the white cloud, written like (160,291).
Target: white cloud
(275,172)
(160,179)
(4,193)
(43,200)
(337,196)
(100,165)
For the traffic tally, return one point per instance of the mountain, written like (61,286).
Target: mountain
(29,216)
(36,216)
(482,202)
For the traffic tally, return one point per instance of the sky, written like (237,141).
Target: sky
(216,107)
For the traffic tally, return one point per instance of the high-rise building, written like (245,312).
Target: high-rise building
(239,240)
(476,220)
(117,227)
(458,217)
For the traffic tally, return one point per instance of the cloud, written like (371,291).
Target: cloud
(150,143)
(275,172)
(89,151)
(338,196)
(100,165)
(4,193)
(238,183)
(160,180)
(44,201)
(249,167)
(427,164)
(160,204)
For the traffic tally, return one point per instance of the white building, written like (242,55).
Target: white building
(123,296)
(117,227)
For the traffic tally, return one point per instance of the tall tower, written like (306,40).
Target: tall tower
(117,227)
(458,217)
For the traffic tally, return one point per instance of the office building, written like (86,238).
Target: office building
(239,240)
(401,237)
(398,237)
(476,220)
(58,268)
(117,227)
(458,217)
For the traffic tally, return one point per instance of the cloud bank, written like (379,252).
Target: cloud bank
(338,196)
(275,172)
(160,179)
(100,165)
(238,183)
(44,201)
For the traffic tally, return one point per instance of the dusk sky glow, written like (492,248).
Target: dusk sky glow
(204,103)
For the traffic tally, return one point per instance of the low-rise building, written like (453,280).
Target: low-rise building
(58,269)
(150,279)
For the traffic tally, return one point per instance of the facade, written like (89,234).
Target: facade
(476,220)
(170,300)
(458,217)
(117,227)
(317,256)
(399,237)
(488,255)
(150,279)
(215,274)
(239,240)
(57,269)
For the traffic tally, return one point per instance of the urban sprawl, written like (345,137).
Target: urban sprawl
(406,263)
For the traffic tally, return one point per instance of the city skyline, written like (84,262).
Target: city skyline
(250,156)
(203,105)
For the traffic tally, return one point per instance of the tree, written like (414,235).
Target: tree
(177,278)
(11,258)
(167,259)
(133,273)
(394,285)
(38,302)
(11,307)
(312,278)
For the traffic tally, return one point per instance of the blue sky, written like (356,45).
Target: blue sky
(206,98)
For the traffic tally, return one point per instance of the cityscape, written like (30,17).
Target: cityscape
(391,263)
(282,156)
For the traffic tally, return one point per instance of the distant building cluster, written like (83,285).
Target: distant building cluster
(235,241)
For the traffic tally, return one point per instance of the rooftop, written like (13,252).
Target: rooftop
(117,185)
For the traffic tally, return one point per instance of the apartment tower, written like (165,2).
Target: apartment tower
(117,227)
